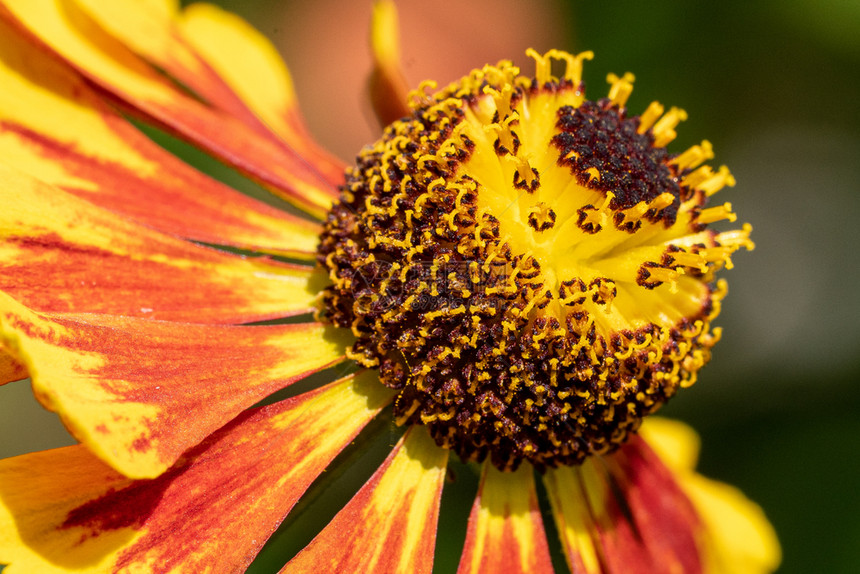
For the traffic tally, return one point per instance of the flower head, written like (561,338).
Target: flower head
(522,273)
(532,271)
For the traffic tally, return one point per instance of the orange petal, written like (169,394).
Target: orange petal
(148,28)
(55,127)
(737,538)
(663,520)
(80,41)
(573,519)
(390,525)
(222,59)
(139,392)
(60,253)
(10,369)
(625,513)
(388,89)
(506,534)
(252,67)
(64,510)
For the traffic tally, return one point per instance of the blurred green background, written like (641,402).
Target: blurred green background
(774,86)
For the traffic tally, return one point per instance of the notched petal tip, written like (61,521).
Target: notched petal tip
(125,387)
(64,509)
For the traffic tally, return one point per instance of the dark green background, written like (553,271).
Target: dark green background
(773,85)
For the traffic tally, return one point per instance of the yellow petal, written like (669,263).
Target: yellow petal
(10,369)
(736,536)
(573,520)
(740,539)
(506,533)
(63,510)
(625,512)
(676,443)
(60,253)
(56,128)
(80,41)
(220,57)
(390,525)
(139,393)
(253,69)
(646,518)
(144,25)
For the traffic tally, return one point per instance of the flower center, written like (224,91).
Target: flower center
(532,271)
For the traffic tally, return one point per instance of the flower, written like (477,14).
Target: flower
(149,345)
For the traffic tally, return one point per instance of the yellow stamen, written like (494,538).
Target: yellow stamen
(664,129)
(621,88)
(718,213)
(718,181)
(647,119)
(694,156)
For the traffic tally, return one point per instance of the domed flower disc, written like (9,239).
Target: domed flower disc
(531,271)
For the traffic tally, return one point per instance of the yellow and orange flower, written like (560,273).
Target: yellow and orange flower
(523,274)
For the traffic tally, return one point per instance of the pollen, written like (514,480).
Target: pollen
(531,271)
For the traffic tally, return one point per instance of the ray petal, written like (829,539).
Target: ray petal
(390,525)
(148,28)
(140,392)
(55,127)
(10,369)
(574,522)
(674,442)
(506,533)
(252,67)
(63,510)
(661,515)
(737,537)
(72,34)
(388,89)
(60,253)
(221,58)
(617,515)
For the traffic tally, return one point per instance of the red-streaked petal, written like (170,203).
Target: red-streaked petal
(390,525)
(221,58)
(388,89)
(573,519)
(252,67)
(506,533)
(661,515)
(149,29)
(63,509)
(60,253)
(737,538)
(139,392)
(55,127)
(10,369)
(78,39)
(625,512)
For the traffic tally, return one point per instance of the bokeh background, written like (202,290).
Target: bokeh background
(774,86)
